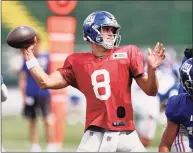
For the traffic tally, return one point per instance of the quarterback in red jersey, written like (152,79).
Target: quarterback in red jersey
(104,76)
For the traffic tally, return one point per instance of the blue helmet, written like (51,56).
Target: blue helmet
(93,25)
(186,74)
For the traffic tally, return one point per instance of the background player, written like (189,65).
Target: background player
(36,101)
(97,75)
(4,95)
(146,111)
(147,108)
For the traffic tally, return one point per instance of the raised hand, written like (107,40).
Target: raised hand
(156,57)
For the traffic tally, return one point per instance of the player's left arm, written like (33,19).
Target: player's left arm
(149,83)
(168,136)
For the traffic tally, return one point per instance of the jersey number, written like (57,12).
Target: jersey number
(105,84)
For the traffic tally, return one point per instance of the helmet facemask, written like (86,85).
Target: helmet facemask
(188,86)
(186,71)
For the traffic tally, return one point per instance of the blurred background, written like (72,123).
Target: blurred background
(143,23)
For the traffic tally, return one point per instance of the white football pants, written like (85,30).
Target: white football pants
(93,141)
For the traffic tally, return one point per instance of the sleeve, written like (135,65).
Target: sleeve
(174,111)
(136,61)
(67,72)
(24,67)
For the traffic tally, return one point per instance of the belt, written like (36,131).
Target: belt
(100,129)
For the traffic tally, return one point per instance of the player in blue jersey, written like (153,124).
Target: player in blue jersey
(36,101)
(181,142)
(179,110)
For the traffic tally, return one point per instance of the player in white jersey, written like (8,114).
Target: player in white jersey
(147,115)
(4,95)
(76,106)
(146,110)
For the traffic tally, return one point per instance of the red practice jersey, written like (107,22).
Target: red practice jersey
(106,84)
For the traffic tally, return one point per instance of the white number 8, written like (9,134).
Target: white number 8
(105,84)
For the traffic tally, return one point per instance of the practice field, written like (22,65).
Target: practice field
(15,135)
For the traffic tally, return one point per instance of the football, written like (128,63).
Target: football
(21,37)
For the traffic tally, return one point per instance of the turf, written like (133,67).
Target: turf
(15,135)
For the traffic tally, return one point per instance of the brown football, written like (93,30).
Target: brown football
(21,37)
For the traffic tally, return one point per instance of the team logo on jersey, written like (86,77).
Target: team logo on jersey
(120,55)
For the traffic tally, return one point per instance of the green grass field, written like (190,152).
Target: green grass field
(15,135)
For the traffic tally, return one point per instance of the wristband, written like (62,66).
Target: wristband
(31,63)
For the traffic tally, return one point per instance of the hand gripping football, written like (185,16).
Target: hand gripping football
(21,37)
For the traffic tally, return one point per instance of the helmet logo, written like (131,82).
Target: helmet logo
(186,68)
(114,21)
(90,19)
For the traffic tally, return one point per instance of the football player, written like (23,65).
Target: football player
(36,102)
(146,112)
(4,95)
(181,142)
(147,108)
(179,112)
(104,76)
